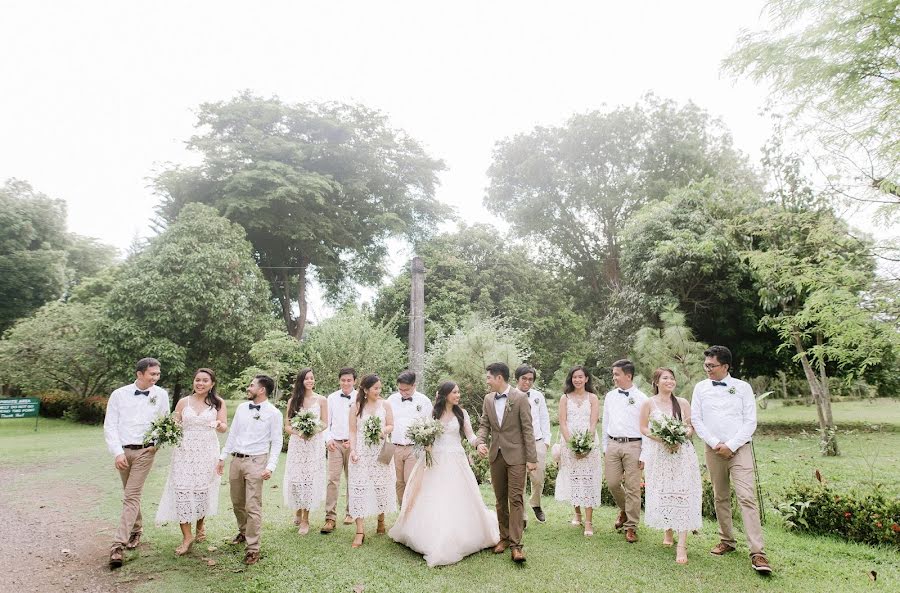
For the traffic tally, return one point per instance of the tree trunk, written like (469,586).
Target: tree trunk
(300,323)
(826,424)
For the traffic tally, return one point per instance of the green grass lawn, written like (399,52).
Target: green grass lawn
(872,411)
(559,558)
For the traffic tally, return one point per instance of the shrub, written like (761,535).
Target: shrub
(550,473)
(869,517)
(55,402)
(481,466)
(90,410)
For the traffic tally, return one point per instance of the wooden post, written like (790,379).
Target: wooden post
(417,321)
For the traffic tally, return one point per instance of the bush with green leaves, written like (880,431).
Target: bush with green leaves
(278,355)
(56,402)
(672,345)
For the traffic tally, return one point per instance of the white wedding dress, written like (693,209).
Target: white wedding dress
(443,516)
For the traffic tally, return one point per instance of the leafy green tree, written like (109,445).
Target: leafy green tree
(319,188)
(476,270)
(32,250)
(194,298)
(837,63)
(353,338)
(278,355)
(462,356)
(571,189)
(671,345)
(58,347)
(86,257)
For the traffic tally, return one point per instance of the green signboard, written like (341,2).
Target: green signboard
(20,407)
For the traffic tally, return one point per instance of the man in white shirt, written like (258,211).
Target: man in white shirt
(337,435)
(723,412)
(621,442)
(254,444)
(407,405)
(130,411)
(540,425)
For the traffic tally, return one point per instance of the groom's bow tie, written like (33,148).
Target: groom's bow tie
(345,395)
(720,384)
(623,392)
(256,406)
(405,399)
(500,396)
(139,392)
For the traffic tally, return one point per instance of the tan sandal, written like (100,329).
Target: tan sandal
(362,539)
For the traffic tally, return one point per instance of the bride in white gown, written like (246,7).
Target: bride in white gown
(443,516)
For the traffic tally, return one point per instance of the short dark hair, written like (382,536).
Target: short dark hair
(524,370)
(145,363)
(498,368)
(720,353)
(267,382)
(347,371)
(407,377)
(626,365)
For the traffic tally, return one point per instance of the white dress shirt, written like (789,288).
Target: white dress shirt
(128,416)
(256,432)
(418,406)
(622,414)
(339,415)
(720,416)
(540,416)
(500,405)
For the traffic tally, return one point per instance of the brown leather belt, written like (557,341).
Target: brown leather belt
(137,447)
(624,439)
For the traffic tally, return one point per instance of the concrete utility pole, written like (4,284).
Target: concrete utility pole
(417,321)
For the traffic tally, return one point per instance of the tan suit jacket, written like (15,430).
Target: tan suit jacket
(515,437)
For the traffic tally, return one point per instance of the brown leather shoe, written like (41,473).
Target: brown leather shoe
(329,526)
(251,558)
(115,557)
(134,541)
(620,521)
(630,535)
(238,539)
(380,530)
(760,564)
(348,520)
(518,555)
(501,547)
(721,549)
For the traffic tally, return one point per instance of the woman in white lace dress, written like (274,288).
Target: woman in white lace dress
(443,516)
(579,477)
(192,489)
(672,474)
(372,484)
(304,471)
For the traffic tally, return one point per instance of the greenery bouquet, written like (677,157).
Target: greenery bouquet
(671,431)
(165,430)
(372,430)
(306,423)
(423,432)
(581,443)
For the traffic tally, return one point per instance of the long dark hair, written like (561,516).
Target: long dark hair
(676,407)
(212,398)
(365,384)
(298,394)
(440,402)
(588,385)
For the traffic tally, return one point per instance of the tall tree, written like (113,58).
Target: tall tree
(194,298)
(33,240)
(571,189)
(319,188)
(836,62)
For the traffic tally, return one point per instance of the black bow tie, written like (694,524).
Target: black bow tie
(139,392)
(255,407)
(623,392)
(406,399)
(500,396)
(720,384)
(345,396)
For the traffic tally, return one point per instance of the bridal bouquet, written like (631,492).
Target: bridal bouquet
(164,431)
(423,432)
(372,430)
(581,443)
(306,423)
(671,431)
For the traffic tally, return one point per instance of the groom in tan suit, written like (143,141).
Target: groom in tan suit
(506,422)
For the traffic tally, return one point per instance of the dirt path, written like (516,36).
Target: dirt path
(46,544)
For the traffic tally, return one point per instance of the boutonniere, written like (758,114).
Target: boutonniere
(419,408)
(732,391)
(536,401)
(152,400)
(630,400)
(508,405)
(256,416)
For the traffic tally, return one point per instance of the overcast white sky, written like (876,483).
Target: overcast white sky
(99,95)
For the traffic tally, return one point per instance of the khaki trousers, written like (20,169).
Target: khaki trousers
(337,460)
(246,482)
(133,477)
(404,461)
(738,471)
(622,465)
(509,488)
(537,476)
